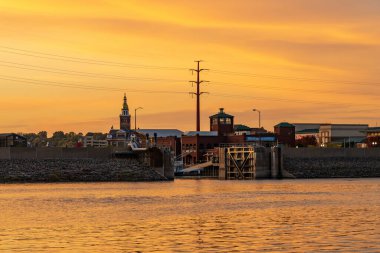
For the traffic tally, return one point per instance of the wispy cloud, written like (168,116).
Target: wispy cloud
(337,41)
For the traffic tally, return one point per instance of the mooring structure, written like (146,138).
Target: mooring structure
(237,163)
(248,162)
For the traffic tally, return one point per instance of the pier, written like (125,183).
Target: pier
(238,162)
(248,162)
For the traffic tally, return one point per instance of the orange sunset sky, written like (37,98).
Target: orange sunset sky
(65,65)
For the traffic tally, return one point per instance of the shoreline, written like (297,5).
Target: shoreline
(77,170)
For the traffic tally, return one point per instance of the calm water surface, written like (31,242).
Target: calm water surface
(192,216)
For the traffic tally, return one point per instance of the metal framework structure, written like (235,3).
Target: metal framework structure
(240,163)
(198,93)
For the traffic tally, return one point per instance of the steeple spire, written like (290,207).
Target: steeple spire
(125,105)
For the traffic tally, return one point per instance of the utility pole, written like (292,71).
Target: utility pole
(198,93)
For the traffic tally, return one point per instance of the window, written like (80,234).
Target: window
(225,121)
(214,121)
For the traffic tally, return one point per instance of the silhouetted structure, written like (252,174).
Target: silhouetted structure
(285,133)
(125,117)
(373,137)
(12,140)
(201,146)
(119,137)
(198,94)
(169,139)
(222,123)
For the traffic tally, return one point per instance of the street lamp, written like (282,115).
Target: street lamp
(255,110)
(136,115)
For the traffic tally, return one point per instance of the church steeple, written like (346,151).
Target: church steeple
(125,109)
(125,105)
(125,118)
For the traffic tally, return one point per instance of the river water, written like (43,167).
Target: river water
(192,216)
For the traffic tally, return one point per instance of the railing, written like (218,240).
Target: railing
(230,145)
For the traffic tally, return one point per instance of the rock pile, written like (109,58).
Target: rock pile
(334,167)
(76,170)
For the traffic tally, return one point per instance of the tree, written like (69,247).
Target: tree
(306,141)
(58,135)
(100,136)
(43,135)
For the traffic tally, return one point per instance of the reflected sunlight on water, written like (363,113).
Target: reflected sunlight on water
(192,215)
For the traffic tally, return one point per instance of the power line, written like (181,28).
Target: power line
(92,61)
(82,60)
(107,76)
(119,64)
(120,77)
(295,78)
(81,86)
(35,82)
(80,73)
(285,100)
(288,89)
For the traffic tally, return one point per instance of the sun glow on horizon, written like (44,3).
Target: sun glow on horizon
(66,65)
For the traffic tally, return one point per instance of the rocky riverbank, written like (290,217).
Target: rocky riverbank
(76,170)
(332,167)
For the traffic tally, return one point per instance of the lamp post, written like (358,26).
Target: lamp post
(136,116)
(255,110)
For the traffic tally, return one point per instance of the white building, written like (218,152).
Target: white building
(342,133)
(89,141)
(327,133)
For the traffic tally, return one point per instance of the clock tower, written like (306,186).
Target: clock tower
(125,117)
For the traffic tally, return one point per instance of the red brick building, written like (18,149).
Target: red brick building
(200,146)
(196,146)
(222,123)
(285,133)
(373,137)
(162,138)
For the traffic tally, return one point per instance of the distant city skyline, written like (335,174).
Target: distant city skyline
(66,65)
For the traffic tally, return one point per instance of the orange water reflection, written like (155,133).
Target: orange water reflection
(191,215)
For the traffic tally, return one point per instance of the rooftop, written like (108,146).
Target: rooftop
(284,124)
(258,130)
(161,132)
(10,134)
(344,124)
(308,131)
(6,134)
(372,130)
(301,124)
(240,127)
(201,133)
(221,114)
